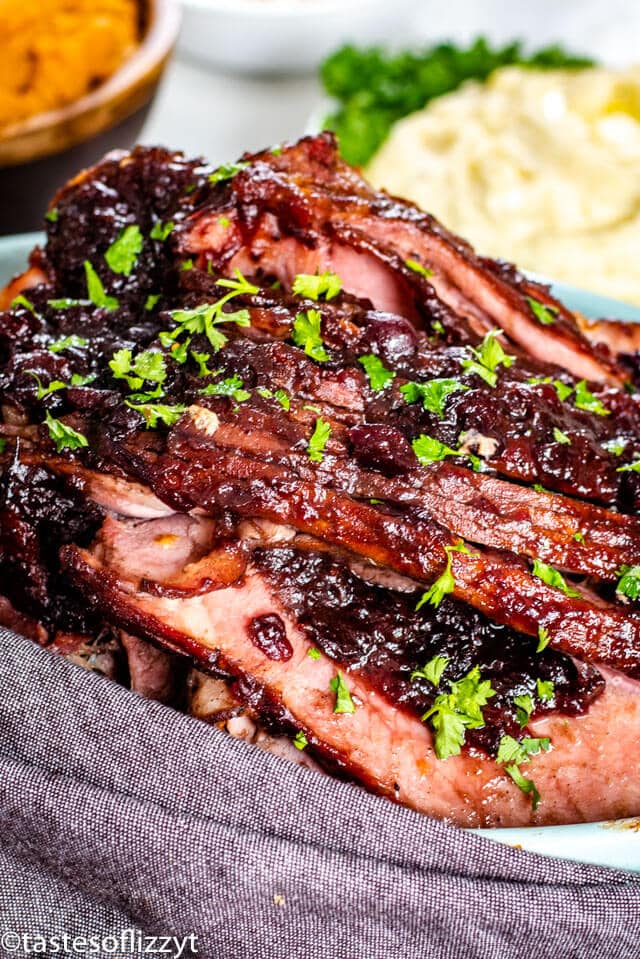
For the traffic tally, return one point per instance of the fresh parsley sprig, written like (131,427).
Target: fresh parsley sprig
(65,437)
(487,358)
(445,583)
(344,702)
(458,710)
(378,375)
(432,393)
(306,334)
(552,577)
(315,285)
(318,440)
(123,253)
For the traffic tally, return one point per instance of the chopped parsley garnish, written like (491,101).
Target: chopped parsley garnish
(344,703)
(458,710)
(300,741)
(318,440)
(629,467)
(151,300)
(419,268)
(64,436)
(563,391)
(43,391)
(561,437)
(232,387)
(430,450)
(543,314)
(187,264)
(3,444)
(487,358)
(313,286)
(21,300)
(96,291)
(615,447)
(378,375)
(124,251)
(629,582)
(206,317)
(313,653)
(149,365)
(437,327)
(161,231)
(543,639)
(545,690)
(524,708)
(224,222)
(513,754)
(52,215)
(154,413)
(445,583)
(306,334)
(552,577)
(585,400)
(72,342)
(226,171)
(283,399)
(201,361)
(579,537)
(432,671)
(433,393)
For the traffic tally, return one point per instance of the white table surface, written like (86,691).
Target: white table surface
(204,112)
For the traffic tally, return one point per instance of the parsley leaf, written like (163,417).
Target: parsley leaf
(419,268)
(64,436)
(149,365)
(487,358)
(231,387)
(526,785)
(552,577)
(433,393)
(21,300)
(52,215)
(587,401)
(306,334)
(629,467)
(445,583)
(124,251)
(226,171)
(616,446)
(516,754)
(300,740)
(543,639)
(43,391)
(67,343)
(561,437)
(283,399)
(629,582)
(154,413)
(460,709)
(430,450)
(432,671)
(313,286)
(543,314)
(161,231)
(96,291)
(318,440)
(151,300)
(579,537)
(378,375)
(313,653)
(545,689)
(344,703)
(524,708)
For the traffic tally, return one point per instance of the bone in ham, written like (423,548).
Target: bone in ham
(385,512)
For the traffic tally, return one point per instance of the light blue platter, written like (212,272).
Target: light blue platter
(615,843)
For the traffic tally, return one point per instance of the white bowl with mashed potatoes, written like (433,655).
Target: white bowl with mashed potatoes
(538,167)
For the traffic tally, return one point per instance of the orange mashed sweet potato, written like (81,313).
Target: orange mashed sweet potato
(54,51)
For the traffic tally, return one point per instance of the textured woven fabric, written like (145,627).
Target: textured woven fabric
(119,813)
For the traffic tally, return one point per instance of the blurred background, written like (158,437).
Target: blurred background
(555,155)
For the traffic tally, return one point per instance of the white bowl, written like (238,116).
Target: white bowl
(286,36)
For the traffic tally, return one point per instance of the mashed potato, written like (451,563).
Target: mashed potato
(539,167)
(54,51)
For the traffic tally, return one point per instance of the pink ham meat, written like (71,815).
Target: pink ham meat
(380,744)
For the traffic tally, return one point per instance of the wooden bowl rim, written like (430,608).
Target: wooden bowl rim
(24,141)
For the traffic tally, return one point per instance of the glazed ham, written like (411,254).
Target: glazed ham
(282,451)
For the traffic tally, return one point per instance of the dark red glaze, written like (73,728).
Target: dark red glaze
(269,635)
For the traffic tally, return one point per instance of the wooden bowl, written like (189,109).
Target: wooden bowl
(39,154)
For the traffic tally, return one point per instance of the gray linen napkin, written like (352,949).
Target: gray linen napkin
(119,814)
